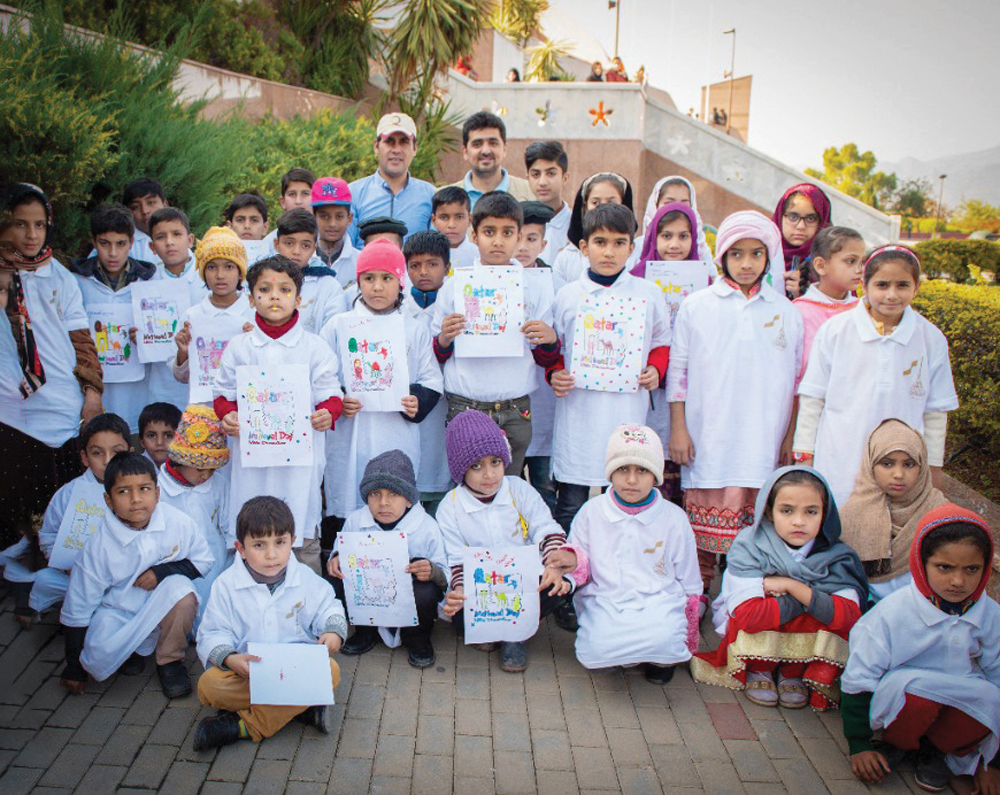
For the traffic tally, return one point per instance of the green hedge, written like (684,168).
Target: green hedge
(951,258)
(969,316)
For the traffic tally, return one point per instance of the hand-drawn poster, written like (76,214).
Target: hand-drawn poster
(109,325)
(607,343)
(492,300)
(677,280)
(274,406)
(379,591)
(372,350)
(157,307)
(84,515)
(209,338)
(501,593)
(290,674)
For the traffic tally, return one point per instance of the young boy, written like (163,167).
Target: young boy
(157,425)
(130,592)
(489,509)
(296,193)
(380,227)
(322,295)
(450,215)
(389,486)
(331,204)
(246,215)
(106,278)
(143,197)
(278,338)
(35,591)
(266,596)
(497,385)
(546,163)
(427,262)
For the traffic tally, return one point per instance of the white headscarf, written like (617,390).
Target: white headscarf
(651,206)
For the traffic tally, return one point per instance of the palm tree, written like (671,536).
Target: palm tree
(518,19)
(544,63)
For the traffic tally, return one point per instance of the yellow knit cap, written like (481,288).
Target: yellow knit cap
(221,242)
(200,441)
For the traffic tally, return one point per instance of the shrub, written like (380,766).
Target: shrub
(952,258)
(969,316)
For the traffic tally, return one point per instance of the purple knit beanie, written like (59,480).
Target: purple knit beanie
(469,437)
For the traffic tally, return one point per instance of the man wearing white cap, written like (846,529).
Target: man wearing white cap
(391,191)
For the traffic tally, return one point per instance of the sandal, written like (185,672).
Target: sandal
(792,692)
(760,689)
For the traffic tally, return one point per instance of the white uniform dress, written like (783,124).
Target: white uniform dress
(356,441)
(298,486)
(907,645)
(120,617)
(585,418)
(206,310)
(322,298)
(864,378)
(571,263)
(733,363)
(643,568)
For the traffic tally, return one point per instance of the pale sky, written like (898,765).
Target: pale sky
(899,77)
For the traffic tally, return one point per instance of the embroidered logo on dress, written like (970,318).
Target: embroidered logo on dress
(656,546)
(917,388)
(780,342)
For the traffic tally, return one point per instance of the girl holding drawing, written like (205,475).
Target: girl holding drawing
(677,189)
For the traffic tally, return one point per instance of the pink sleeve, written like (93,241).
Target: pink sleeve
(581,574)
(691,612)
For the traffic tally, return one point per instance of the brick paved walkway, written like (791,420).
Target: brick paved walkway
(463,726)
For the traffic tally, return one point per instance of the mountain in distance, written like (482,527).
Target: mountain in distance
(975,175)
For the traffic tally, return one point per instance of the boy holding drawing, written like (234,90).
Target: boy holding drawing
(266,596)
(389,487)
(497,385)
(279,344)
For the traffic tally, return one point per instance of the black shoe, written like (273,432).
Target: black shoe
(658,674)
(362,641)
(25,616)
(134,665)
(932,773)
(215,732)
(513,657)
(318,717)
(421,656)
(174,679)
(566,616)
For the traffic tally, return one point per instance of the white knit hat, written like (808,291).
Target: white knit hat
(635,444)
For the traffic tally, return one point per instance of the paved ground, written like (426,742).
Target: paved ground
(463,726)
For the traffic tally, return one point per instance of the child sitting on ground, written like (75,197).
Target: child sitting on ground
(130,591)
(489,509)
(157,425)
(639,603)
(790,594)
(266,596)
(331,204)
(389,487)
(924,666)
(450,215)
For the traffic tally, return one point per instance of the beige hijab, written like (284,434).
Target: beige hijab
(880,529)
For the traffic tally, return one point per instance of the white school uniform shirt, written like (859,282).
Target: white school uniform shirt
(322,299)
(906,645)
(127,400)
(570,263)
(346,264)
(464,255)
(206,310)
(432,474)
(643,567)
(557,233)
(586,418)
(733,363)
(163,385)
(241,610)
(467,522)
(491,378)
(52,413)
(121,618)
(864,378)
(298,486)
(423,536)
(357,440)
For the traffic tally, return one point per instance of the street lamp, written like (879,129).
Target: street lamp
(616,5)
(732,78)
(940,199)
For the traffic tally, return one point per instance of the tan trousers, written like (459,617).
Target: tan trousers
(230,691)
(309,554)
(175,627)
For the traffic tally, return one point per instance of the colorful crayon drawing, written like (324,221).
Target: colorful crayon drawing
(492,300)
(378,589)
(501,594)
(608,340)
(373,352)
(677,280)
(109,326)
(82,519)
(158,307)
(209,338)
(274,407)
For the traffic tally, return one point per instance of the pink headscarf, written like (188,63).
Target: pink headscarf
(649,252)
(750,224)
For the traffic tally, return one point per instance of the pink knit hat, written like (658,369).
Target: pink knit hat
(382,255)
(750,225)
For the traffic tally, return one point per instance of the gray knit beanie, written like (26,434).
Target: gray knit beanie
(391,470)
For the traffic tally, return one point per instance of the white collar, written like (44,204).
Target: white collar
(289,339)
(409,522)
(865,324)
(931,615)
(765,293)
(244,579)
(175,488)
(614,513)
(471,504)
(819,297)
(799,554)
(236,308)
(125,535)
(591,286)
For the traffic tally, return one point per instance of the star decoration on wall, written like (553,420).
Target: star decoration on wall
(600,114)
(498,109)
(679,143)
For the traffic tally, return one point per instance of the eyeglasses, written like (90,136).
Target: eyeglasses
(795,219)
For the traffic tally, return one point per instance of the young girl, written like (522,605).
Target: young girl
(597,189)
(892,493)
(733,363)
(879,360)
(802,211)
(791,593)
(639,603)
(222,262)
(361,435)
(676,188)
(925,663)
(490,509)
(838,257)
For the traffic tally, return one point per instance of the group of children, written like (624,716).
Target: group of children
(752,417)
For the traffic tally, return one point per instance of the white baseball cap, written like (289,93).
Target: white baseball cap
(396,122)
